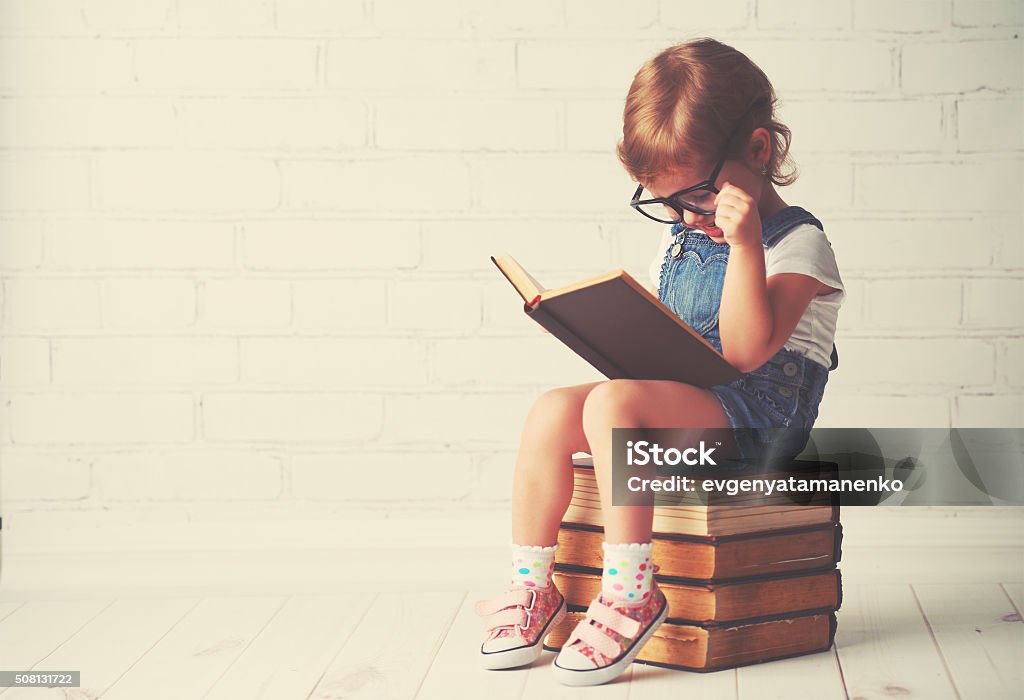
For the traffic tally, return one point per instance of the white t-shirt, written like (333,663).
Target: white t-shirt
(807,251)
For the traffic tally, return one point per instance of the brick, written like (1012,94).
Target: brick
(1010,362)
(42,17)
(928,365)
(585,16)
(347,244)
(840,409)
(500,361)
(21,246)
(391,477)
(225,65)
(522,18)
(583,184)
(826,183)
(24,361)
(43,183)
(987,13)
(551,248)
(503,309)
(100,418)
(712,16)
(209,474)
(594,125)
(283,417)
(813,65)
(439,17)
(128,15)
(226,16)
(42,65)
(313,17)
(264,123)
(379,186)
(121,362)
(494,477)
(151,304)
(914,303)
(33,476)
(340,305)
(803,14)
(461,124)
(151,182)
(413,65)
(140,245)
(904,16)
(951,188)
(989,411)
(85,122)
(990,125)
(245,304)
(912,244)
(873,126)
(634,244)
(334,362)
(950,66)
(994,303)
(581,64)
(32,304)
(455,418)
(434,305)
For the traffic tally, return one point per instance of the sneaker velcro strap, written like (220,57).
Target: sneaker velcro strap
(590,635)
(508,599)
(613,619)
(506,618)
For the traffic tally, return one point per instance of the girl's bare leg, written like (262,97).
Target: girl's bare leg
(635,403)
(543,483)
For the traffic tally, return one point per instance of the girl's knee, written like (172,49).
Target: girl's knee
(612,401)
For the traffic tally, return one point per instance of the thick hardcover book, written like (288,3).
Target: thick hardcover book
(697,602)
(620,328)
(719,558)
(715,647)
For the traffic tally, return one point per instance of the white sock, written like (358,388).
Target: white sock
(531,566)
(628,572)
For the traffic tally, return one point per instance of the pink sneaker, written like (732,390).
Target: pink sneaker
(607,640)
(517,622)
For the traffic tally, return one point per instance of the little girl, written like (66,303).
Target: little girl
(754,276)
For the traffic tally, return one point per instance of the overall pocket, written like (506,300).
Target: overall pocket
(778,385)
(692,286)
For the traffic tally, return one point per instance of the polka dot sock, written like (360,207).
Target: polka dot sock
(627,571)
(531,566)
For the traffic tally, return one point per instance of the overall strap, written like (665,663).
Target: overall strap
(776,226)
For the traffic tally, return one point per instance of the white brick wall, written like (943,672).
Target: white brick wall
(244,251)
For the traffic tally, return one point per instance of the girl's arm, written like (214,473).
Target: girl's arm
(757,315)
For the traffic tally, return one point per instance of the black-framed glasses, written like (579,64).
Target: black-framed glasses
(699,199)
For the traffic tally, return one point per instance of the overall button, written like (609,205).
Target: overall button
(789,369)
(785,391)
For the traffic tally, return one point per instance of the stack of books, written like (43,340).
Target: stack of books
(744,583)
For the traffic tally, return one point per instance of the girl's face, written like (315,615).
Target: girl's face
(743,173)
(739,173)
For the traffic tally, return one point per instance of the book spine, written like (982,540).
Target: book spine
(560,331)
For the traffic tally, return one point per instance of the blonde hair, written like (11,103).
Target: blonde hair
(683,103)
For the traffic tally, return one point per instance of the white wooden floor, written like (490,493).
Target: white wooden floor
(929,640)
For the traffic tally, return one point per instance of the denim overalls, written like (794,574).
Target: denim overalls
(773,407)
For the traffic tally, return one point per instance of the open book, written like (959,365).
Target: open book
(620,328)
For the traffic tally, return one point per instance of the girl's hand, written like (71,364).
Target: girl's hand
(736,214)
